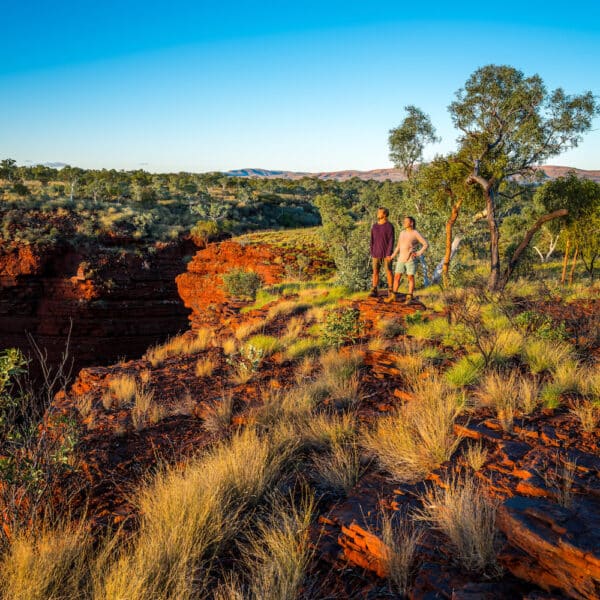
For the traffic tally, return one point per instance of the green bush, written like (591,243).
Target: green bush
(341,326)
(205,231)
(242,284)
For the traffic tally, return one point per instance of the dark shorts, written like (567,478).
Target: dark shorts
(378,262)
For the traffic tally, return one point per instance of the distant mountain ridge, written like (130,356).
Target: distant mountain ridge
(551,171)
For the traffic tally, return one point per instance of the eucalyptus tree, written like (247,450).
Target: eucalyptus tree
(509,124)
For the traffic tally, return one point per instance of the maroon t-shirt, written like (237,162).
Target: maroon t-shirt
(382,240)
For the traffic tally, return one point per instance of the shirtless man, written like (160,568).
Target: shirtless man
(407,253)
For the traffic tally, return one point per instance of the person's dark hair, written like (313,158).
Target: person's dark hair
(413,223)
(386,212)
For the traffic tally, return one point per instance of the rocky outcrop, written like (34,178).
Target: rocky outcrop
(114,300)
(201,286)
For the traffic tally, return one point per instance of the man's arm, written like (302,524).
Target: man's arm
(390,242)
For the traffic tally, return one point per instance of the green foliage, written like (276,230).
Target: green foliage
(466,371)
(265,344)
(205,231)
(242,284)
(12,364)
(341,326)
(540,325)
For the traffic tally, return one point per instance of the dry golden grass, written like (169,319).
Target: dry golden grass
(190,515)
(340,469)
(389,328)
(378,343)
(247,329)
(410,365)
(107,399)
(462,511)
(229,346)
(50,563)
(182,345)
(205,367)
(500,390)
(545,355)
(475,455)
(588,414)
(145,409)
(509,344)
(316,314)
(293,330)
(123,389)
(340,377)
(217,415)
(279,552)
(324,430)
(145,376)
(568,377)
(286,308)
(401,539)
(420,436)
(528,395)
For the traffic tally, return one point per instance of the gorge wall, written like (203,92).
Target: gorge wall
(116,300)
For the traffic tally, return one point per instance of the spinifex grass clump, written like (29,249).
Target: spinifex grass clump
(242,284)
(420,436)
(462,511)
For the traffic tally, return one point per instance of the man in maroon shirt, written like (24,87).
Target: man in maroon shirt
(382,246)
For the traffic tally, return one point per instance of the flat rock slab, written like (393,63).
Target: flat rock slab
(557,548)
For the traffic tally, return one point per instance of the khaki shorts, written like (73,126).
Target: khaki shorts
(378,262)
(408,268)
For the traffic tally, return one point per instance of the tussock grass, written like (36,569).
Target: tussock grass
(324,430)
(466,516)
(247,329)
(107,399)
(500,390)
(303,348)
(145,409)
(568,376)
(49,563)
(190,515)
(466,371)
(340,377)
(529,395)
(293,330)
(588,413)
(205,367)
(229,346)
(123,389)
(279,553)
(509,344)
(475,455)
(182,345)
(420,436)
(410,365)
(286,308)
(545,355)
(401,539)
(436,329)
(340,469)
(217,414)
(265,344)
(378,343)
(145,376)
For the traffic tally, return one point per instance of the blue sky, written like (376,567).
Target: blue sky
(308,86)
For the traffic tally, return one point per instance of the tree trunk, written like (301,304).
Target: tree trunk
(449,225)
(437,273)
(566,259)
(494,280)
(514,261)
(573,265)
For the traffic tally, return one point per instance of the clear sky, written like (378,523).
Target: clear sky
(308,86)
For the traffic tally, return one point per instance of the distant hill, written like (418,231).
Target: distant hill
(551,171)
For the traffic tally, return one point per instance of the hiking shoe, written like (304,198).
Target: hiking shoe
(373,293)
(408,299)
(390,298)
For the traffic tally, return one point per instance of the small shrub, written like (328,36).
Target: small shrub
(341,326)
(242,284)
(462,511)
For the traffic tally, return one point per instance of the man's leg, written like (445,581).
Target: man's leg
(375,265)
